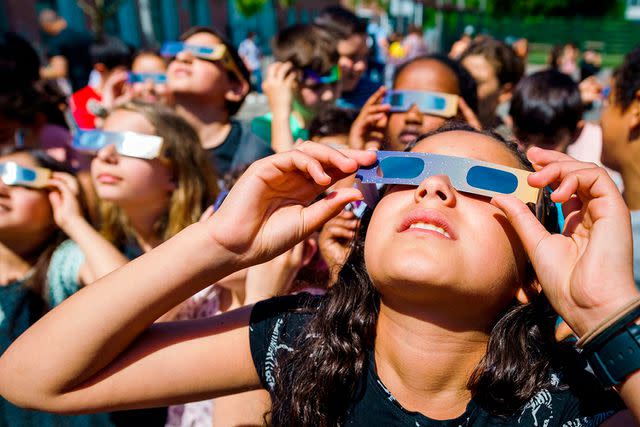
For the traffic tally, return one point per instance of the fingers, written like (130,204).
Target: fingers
(376,98)
(346,161)
(468,114)
(542,157)
(585,179)
(315,215)
(68,180)
(526,225)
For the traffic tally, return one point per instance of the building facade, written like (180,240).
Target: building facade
(147,23)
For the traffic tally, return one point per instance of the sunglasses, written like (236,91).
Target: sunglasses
(157,78)
(217,53)
(466,175)
(13,174)
(332,76)
(434,103)
(128,144)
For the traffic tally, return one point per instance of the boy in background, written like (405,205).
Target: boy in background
(304,80)
(351,33)
(111,59)
(208,93)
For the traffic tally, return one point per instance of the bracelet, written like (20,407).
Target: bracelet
(609,322)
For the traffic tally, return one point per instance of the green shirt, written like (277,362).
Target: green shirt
(261,126)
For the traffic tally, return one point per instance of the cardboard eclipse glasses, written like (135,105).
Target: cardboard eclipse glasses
(128,144)
(217,53)
(13,174)
(466,175)
(434,103)
(156,78)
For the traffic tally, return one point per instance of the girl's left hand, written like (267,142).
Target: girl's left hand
(64,200)
(587,271)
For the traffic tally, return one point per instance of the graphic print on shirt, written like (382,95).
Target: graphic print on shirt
(274,346)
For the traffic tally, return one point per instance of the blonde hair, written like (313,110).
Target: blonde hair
(194,176)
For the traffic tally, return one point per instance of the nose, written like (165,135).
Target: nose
(185,56)
(438,188)
(108,154)
(413,115)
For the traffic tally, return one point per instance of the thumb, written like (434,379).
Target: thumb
(526,225)
(323,210)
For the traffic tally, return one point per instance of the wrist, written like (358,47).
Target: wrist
(73,225)
(585,320)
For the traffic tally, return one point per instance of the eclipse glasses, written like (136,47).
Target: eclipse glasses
(129,144)
(434,103)
(217,53)
(13,174)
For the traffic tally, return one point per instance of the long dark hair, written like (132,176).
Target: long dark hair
(317,383)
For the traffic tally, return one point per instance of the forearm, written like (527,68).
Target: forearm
(101,256)
(281,136)
(89,330)
(630,393)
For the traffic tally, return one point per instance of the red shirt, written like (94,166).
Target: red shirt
(81,107)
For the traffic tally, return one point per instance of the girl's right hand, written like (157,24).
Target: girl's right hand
(64,200)
(270,208)
(367,131)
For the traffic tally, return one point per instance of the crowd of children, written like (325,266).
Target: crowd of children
(164,262)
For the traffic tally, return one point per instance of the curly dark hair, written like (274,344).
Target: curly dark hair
(627,79)
(467,87)
(317,383)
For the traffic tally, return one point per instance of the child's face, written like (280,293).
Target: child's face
(426,75)
(616,135)
(489,87)
(315,96)
(191,76)
(150,91)
(23,211)
(481,260)
(129,180)
(353,53)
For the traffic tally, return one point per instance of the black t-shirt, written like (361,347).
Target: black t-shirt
(75,47)
(240,148)
(276,325)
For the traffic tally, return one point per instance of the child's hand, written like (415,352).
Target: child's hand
(116,90)
(278,86)
(466,113)
(335,240)
(367,131)
(590,90)
(586,272)
(64,200)
(274,277)
(269,209)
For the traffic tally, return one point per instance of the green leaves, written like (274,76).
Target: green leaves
(250,7)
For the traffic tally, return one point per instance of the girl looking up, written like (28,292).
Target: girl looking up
(437,317)
(29,284)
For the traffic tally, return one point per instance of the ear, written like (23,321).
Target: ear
(238,90)
(505,92)
(310,249)
(634,119)
(100,67)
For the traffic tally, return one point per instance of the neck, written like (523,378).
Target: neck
(631,178)
(14,265)
(212,124)
(142,220)
(426,362)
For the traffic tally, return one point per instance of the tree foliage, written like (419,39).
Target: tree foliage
(595,8)
(250,7)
